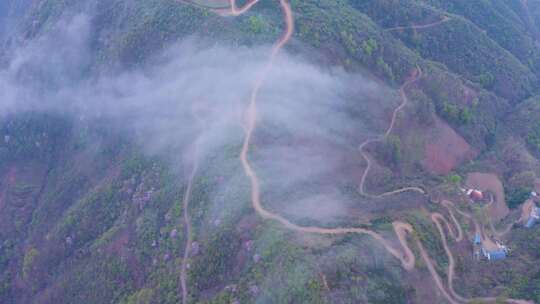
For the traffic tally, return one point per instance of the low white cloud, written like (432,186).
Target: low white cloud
(309,122)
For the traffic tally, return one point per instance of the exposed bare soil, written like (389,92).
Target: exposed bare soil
(402,230)
(445,149)
(490,182)
(526,210)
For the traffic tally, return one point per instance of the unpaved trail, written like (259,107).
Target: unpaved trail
(234,10)
(500,233)
(406,259)
(433,272)
(404,101)
(459,235)
(437,219)
(498,209)
(205,6)
(231,9)
(187,223)
(508,228)
(194,158)
(419,27)
(401,229)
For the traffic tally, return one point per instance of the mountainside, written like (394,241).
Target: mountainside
(291,151)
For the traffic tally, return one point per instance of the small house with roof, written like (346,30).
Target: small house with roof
(495,254)
(474,195)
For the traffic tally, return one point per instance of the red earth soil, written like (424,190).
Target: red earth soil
(490,182)
(445,149)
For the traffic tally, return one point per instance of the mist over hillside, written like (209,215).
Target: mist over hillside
(216,151)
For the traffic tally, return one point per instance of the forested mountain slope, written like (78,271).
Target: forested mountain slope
(156,151)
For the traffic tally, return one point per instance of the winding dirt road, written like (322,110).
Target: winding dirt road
(459,235)
(401,229)
(189,239)
(192,156)
(234,10)
(407,258)
(205,6)
(404,101)
(419,27)
(501,233)
(438,219)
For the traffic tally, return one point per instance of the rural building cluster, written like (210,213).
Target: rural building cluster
(475,195)
(483,248)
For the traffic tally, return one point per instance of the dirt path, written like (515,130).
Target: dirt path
(205,6)
(234,10)
(433,272)
(494,231)
(419,27)
(189,239)
(500,233)
(404,101)
(498,209)
(438,219)
(401,229)
(459,235)
(406,259)
(192,156)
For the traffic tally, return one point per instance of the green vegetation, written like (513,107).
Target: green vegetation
(428,235)
(454,179)
(256,24)
(390,151)
(381,291)
(143,296)
(100,278)
(455,114)
(533,139)
(484,41)
(32,135)
(424,110)
(517,196)
(212,267)
(28,261)
(486,79)
(369,46)
(90,218)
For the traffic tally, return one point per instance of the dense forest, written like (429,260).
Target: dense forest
(292,151)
